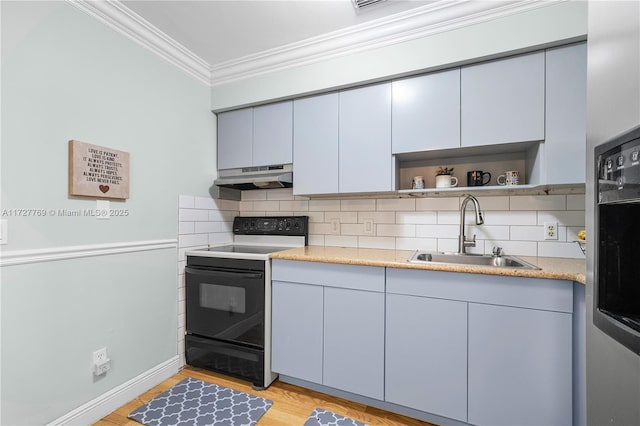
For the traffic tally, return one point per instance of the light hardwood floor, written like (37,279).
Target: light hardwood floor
(292,405)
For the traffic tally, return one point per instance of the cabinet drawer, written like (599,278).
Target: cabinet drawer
(534,293)
(329,274)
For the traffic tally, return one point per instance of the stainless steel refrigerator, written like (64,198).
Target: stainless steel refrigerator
(613,106)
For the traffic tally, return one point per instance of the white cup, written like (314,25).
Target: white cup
(446,181)
(509,178)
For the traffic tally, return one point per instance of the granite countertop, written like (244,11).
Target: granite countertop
(550,267)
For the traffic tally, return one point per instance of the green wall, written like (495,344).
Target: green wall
(65,75)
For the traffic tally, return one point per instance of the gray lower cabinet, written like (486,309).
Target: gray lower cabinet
(501,346)
(426,355)
(520,366)
(328,325)
(296,323)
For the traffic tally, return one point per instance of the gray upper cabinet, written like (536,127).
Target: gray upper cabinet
(273,134)
(260,136)
(565,142)
(235,139)
(365,162)
(503,101)
(426,112)
(315,145)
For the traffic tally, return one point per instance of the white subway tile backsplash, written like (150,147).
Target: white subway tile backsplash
(266,205)
(207,227)
(567,218)
(417,218)
(343,217)
(396,204)
(437,231)
(535,233)
(357,205)
(324,205)
(246,206)
(352,229)
(192,240)
(204,203)
(226,205)
(434,204)
(377,242)
(560,249)
(193,215)
(219,238)
(377,217)
(186,227)
(487,232)
(575,202)
(313,216)
(341,241)
(510,218)
(222,215)
(538,202)
(385,230)
(319,228)
(316,240)
(447,245)
(425,244)
(488,203)
(186,202)
(295,205)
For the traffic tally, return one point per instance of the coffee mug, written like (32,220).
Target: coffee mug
(509,178)
(477,178)
(446,181)
(417,182)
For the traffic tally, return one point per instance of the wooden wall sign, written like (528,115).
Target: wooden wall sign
(96,171)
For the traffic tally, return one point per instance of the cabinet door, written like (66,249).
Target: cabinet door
(354,341)
(273,134)
(296,330)
(566,110)
(365,162)
(315,145)
(519,366)
(426,112)
(235,136)
(503,101)
(426,355)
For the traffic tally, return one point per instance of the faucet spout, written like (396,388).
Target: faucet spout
(463,242)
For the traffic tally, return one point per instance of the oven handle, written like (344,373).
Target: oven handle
(220,273)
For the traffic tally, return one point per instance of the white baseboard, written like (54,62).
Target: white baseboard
(108,402)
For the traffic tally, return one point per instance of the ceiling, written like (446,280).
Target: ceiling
(220,31)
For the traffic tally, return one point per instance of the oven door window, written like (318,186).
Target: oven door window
(226,304)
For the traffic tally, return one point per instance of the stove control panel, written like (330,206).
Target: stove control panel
(271,225)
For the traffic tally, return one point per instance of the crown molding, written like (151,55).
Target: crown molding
(436,17)
(125,21)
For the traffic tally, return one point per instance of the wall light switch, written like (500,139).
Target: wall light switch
(4,235)
(368,227)
(334,226)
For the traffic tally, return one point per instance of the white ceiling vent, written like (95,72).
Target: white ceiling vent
(361,4)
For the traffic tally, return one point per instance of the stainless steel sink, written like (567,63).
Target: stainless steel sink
(470,259)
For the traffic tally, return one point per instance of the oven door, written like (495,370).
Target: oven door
(225,300)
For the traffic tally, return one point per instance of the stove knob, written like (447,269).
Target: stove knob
(288,225)
(620,161)
(609,164)
(634,156)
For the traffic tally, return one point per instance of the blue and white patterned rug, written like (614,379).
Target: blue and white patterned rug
(322,417)
(196,403)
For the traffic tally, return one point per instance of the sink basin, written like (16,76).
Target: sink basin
(470,259)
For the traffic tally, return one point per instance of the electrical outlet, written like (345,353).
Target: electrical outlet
(368,227)
(551,230)
(101,362)
(334,226)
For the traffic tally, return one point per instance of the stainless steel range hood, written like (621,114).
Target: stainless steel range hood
(263,177)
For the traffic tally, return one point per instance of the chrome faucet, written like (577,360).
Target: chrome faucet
(463,243)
